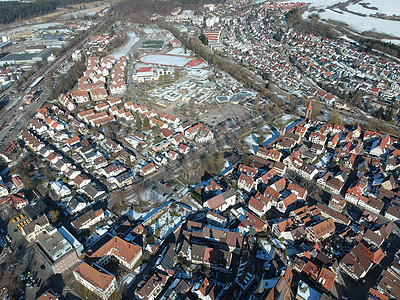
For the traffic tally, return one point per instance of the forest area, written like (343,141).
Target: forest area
(142,10)
(11,11)
(69,81)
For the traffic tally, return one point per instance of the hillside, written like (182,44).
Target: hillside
(375,16)
(11,11)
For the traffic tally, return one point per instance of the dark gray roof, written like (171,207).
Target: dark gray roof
(95,192)
(26,56)
(74,203)
(123,176)
(35,209)
(228,193)
(169,259)
(198,252)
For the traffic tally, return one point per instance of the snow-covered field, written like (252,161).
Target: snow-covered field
(78,14)
(166,60)
(396,42)
(389,7)
(179,51)
(252,141)
(124,50)
(152,197)
(363,23)
(284,120)
(170,60)
(320,3)
(150,30)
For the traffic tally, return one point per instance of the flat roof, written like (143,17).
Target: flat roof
(54,245)
(26,56)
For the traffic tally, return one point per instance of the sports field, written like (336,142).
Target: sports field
(152,44)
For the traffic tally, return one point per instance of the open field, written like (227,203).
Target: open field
(225,112)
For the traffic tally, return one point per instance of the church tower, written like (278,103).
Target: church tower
(309,110)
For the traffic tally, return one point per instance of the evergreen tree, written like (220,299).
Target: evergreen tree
(379,114)
(203,39)
(245,159)
(138,123)
(146,123)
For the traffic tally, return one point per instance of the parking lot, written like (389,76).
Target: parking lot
(224,112)
(27,264)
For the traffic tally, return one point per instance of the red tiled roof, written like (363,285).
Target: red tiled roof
(95,277)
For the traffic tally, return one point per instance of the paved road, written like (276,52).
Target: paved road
(27,259)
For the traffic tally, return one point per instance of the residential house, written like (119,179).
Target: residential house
(87,220)
(222,201)
(320,231)
(152,287)
(148,169)
(35,228)
(246,183)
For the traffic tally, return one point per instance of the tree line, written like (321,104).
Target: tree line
(188,2)
(310,26)
(369,45)
(68,82)
(14,11)
(141,11)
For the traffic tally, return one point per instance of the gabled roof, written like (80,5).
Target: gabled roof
(326,278)
(216,201)
(119,248)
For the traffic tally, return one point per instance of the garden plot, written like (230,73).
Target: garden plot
(168,221)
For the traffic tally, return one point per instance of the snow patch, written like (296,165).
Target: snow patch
(124,50)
